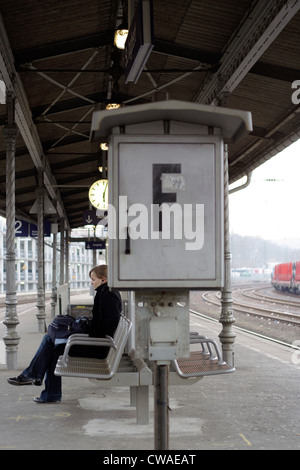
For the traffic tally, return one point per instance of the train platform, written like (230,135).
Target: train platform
(255,408)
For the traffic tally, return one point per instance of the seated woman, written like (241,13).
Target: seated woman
(106,314)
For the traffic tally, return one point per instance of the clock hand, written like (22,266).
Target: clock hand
(105,191)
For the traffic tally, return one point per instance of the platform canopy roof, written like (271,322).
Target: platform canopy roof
(58,59)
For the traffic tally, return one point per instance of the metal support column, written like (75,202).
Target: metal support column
(161,407)
(227,335)
(54,289)
(41,314)
(67,256)
(67,251)
(131,316)
(11,339)
(95,258)
(62,251)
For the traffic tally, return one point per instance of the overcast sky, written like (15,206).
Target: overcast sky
(270,209)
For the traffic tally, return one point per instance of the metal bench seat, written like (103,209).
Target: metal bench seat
(85,367)
(92,367)
(208,361)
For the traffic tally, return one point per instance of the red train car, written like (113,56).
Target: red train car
(296,286)
(286,277)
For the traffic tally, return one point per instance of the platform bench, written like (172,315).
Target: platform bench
(120,369)
(93,367)
(207,361)
(116,370)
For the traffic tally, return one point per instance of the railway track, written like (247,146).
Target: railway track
(259,304)
(270,295)
(257,309)
(24,300)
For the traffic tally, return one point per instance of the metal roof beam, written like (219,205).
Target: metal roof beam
(275,71)
(75,103)
(63,47)
(72,139)
(79,177)
(259,29)
(67,105)
(106,38)
(186,52)
(93,157)
(23,118)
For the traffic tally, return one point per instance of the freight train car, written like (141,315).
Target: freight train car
(286,277)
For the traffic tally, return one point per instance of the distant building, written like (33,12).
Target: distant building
(80,263)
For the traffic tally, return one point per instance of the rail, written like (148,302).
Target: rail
(255,310)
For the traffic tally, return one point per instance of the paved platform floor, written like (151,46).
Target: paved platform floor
(255,408)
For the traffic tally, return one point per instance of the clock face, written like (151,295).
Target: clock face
(98,194)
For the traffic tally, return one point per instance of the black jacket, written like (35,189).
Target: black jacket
(106,315)
(106,312)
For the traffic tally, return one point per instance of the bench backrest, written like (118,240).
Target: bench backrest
(120,339)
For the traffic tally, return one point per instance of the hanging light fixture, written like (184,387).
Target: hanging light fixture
(104,146)
(121,31)
(121,34)
(112,106)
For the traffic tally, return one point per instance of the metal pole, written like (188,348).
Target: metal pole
(94,257)
(227,335)
(54,290)
(62,250)
(41,314)
(161,407)
(67,256)
(11,339)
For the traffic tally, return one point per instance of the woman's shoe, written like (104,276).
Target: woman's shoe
(20,380)
(39,400)
(37,382)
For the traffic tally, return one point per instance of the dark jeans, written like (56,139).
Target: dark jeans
(43,364)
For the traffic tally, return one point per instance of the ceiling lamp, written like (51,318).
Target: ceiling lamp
(112,106)
(121,34)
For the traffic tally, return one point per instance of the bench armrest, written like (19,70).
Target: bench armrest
(85,340)
(214,353)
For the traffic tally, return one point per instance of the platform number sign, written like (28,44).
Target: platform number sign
(21,228)
(26,229)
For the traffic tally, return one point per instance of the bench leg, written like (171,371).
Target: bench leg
(133,396)
(139,397)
